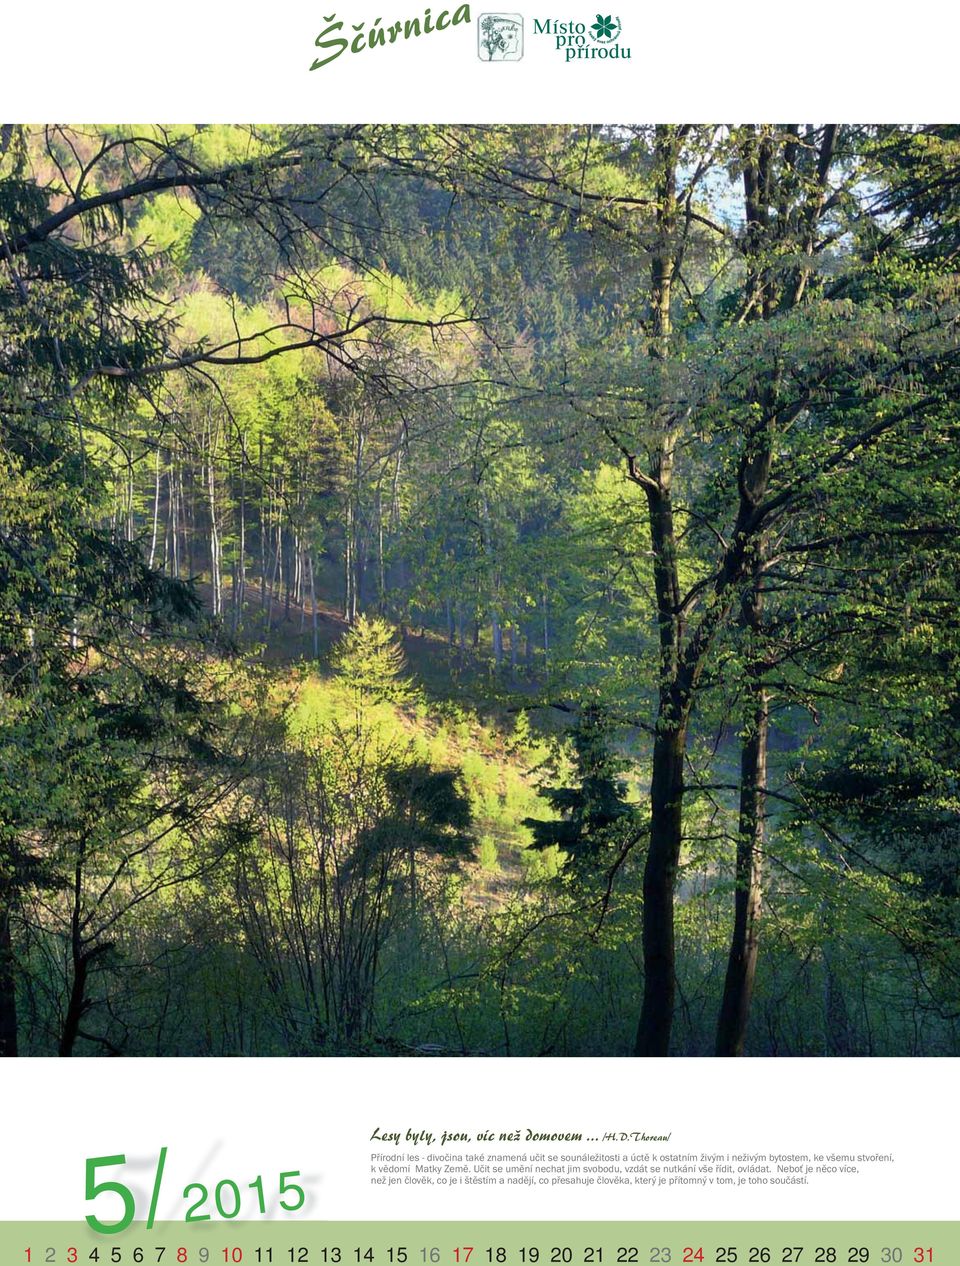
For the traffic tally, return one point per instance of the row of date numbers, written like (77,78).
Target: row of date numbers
(655,1255)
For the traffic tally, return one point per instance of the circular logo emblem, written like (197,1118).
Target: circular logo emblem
(606,29)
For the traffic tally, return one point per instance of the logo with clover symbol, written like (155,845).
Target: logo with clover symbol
(606,29)
(576,41)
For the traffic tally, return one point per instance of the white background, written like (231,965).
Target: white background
(203,61)
(240,1118)
(210,61)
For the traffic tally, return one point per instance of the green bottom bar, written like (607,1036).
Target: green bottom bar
(485,1243)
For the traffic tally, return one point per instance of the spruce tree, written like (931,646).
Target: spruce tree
(595,804)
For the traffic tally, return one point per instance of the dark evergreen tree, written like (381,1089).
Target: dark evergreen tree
(595,804)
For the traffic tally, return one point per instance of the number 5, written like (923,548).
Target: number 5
(292,1186)
(95,1189)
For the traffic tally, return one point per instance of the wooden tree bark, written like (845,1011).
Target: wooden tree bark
(216,578)
(77,1003)
(666,780)
(313,609)
(240,595)
(8,991)
(748,899)
(766,294)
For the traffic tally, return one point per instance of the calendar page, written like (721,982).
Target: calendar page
(479,667)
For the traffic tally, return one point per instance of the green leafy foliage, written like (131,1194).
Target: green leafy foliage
(590,810)
(433,557)
(370,662)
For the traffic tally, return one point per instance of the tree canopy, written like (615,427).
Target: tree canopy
(328,452)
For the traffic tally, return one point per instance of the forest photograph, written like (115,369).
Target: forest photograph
(480,590)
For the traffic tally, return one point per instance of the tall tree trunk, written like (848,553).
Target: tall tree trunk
(156,509)
(359,565)
(216,578)
(835,1020)
(289,573)
(461,635)
(669,747)
(174,498)
(264,519)
(76,1006)
(313,609)
(77,1001)
(682,658)
(381,566)
(357,518)
(8,983)
(659,881)
(545,620)
(349,602)
(300,574)
(742,960)
(277,583)
(748,895)
(241,593)
(130,527)
(188,523)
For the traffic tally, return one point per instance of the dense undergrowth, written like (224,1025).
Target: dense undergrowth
(381,894)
